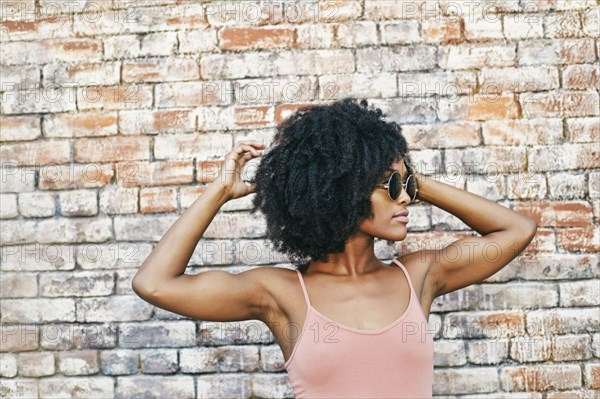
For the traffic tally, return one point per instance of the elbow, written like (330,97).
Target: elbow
(141,288)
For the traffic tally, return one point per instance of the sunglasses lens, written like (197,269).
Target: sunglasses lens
(411,187)
(395,186)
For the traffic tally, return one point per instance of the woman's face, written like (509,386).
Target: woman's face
(383,225)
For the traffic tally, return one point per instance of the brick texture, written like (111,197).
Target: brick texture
(115,115)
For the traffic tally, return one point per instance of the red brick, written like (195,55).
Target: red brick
(584,239)
(80,125)
(437,30)
(132,174)
(493,108)
(245,38)
(36,153)
(19,128)
(73,176)
(159,199)
(111,149)
(557,214)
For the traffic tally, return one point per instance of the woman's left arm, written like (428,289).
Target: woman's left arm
(505,234)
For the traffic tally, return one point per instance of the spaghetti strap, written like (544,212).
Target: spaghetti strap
(406,274)
(306,298)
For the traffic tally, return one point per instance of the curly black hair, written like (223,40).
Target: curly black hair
(315,181)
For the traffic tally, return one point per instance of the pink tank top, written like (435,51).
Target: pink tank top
(331,360)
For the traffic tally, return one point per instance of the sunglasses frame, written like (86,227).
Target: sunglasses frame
(404,185)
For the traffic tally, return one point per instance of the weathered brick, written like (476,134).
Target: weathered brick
(37,310)
(19,77)
(449,353)
(38,100)
(17,232)
(83,362)
(156,121)
(492,189)
(75,176)
(357,85)
(132,174)
(476,56)
(160,70)
(61,337)
(159,361)
(260,37)
(563,24)
(271,385)
(38,204)
(445,83)
(8,365)
(188,146)
(581,239)
(109,149)
(19,337)
(556,5)
(156,334)
(436,30)
(313,36)
(563,157)
(78,284)
(571,347)
(479,107)
(18,285)
(175,387)
(47,51)
(158,199)
(142,227)
(33,257)
(566,186)
(35,28)
(191,94)
(560,103)
(36,153)
(592,375)
(470,380)
(147,19)
(580,293)
(401,58)
(286,91)
(523,26)
(90,387)
(522,131)
(401,32)
(198,40)
(483,352)
(24,388)
(594,184)
(583,130)
(74,230)
(83,74)
(78,202)
(113,308)
(497,80)
(119,362)
(14,179)
(20,128)
(357,34)
(562,321)
(117,200)
(396,9)
(540,377)
(124,96)
(582,77)
(556,51)
(227,385)
(89,124)
(9,208)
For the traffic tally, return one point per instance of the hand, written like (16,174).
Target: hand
(230,174)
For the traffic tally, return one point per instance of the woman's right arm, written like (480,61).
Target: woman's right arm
(214,295)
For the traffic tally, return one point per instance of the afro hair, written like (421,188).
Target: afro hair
(314,182)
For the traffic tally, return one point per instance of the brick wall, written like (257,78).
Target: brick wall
(116,114)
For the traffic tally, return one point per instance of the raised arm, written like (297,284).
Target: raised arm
(211,295)
(505,234)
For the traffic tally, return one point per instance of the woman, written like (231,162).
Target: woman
(348,325)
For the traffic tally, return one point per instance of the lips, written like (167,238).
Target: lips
(403,213)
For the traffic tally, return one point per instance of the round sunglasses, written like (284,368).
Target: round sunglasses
(395,185)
